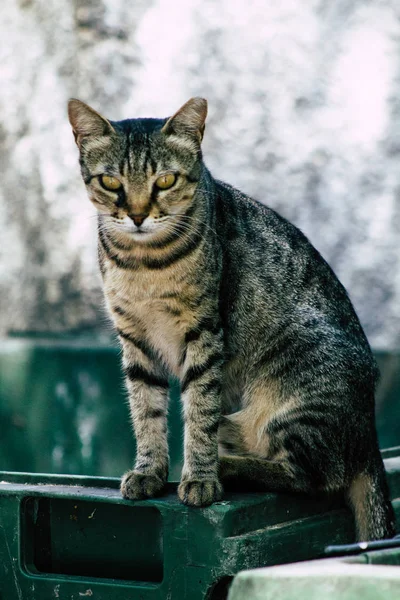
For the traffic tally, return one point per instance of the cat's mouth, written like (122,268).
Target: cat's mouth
(148,231)
(142,233)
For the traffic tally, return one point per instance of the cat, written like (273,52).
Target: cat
(210,286)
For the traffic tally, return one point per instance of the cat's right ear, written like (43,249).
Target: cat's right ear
(86,122)
(189,120)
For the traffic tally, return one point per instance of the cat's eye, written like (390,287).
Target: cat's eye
(165,181)
(110,183)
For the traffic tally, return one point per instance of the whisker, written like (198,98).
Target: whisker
(182,228)
(186,226)
(200,221)
(178,224)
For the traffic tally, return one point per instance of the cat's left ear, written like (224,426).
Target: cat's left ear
(189,120)
(86,122)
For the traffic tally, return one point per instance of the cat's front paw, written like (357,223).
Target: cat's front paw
(138,486)
(200,492)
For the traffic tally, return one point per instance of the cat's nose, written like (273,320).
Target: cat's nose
(138,219)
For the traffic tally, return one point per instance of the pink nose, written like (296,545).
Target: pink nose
(138,219)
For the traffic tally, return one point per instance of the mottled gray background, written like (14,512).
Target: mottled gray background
(304,114)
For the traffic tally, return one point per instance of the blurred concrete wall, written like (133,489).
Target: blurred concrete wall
(304,101)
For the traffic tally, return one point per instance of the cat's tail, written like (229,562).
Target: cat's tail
(368,497)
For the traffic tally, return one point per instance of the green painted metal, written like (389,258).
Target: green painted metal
(75,537)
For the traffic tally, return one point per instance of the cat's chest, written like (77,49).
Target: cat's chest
(157,307)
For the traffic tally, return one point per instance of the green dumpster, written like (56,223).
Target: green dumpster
(72,537)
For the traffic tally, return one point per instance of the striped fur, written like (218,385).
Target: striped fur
(221,292)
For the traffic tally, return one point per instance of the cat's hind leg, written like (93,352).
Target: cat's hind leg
(250,473)
(310,451)
(250,459)
(279,445)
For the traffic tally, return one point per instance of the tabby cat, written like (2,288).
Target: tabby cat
(210,286)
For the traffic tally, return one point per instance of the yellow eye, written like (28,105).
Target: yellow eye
(166,181)
(110,183)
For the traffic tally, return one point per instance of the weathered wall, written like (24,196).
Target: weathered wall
(304,115)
